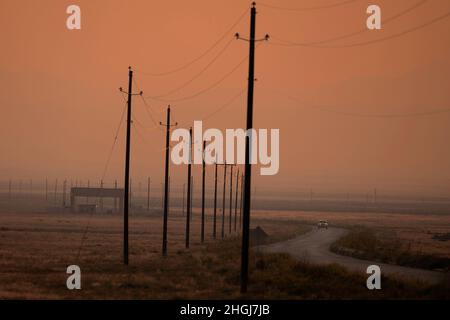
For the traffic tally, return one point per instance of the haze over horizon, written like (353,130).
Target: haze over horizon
(350,118)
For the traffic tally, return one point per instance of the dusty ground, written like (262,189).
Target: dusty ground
(36,248)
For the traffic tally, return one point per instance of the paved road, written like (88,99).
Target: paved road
(314,247)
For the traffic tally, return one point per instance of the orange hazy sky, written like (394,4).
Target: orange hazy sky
(60,104)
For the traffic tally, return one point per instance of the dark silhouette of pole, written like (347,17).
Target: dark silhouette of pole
(231,199)
(192,197)
(248,168)
(236,201)
(188,196)
(203,193)
(10,189)
(215,203)
(127,167)
(166,183)
(46,189)
(131,193)
(223,199)
(241,202)
(168,194)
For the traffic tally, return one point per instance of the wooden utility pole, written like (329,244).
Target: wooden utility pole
(166,183)
(223,199)
(215,202)
(203,193)
(188,196)
(241,202)
(127,166)
(248,167)
(192,197)
(231,198)
(236,201)
(46,189)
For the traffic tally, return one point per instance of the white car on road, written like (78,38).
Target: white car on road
(322,224)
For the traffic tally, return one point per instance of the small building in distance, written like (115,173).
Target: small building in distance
(98,193)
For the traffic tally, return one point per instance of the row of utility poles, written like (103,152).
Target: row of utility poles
(247,176)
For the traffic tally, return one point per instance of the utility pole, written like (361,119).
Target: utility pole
(46,189)
(248,168)
(131,190)
(203,193)
(231,198)
(166,183)
(223,199)
(10,189)
(215,202)
(192,197)
(188,196)
(241,202)
(127,166)
(236,201)
(148,194)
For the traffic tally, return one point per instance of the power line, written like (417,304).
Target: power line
(114,144)
(86,230)
(198,74)
(334,5)
(345,36)
(330,109)
(222,107)
(364,43)
(225,105)
(215,44)
(215,84)
(147,107)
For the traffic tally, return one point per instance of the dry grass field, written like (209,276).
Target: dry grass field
(36,248)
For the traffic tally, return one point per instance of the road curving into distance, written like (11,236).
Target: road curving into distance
(314,247)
